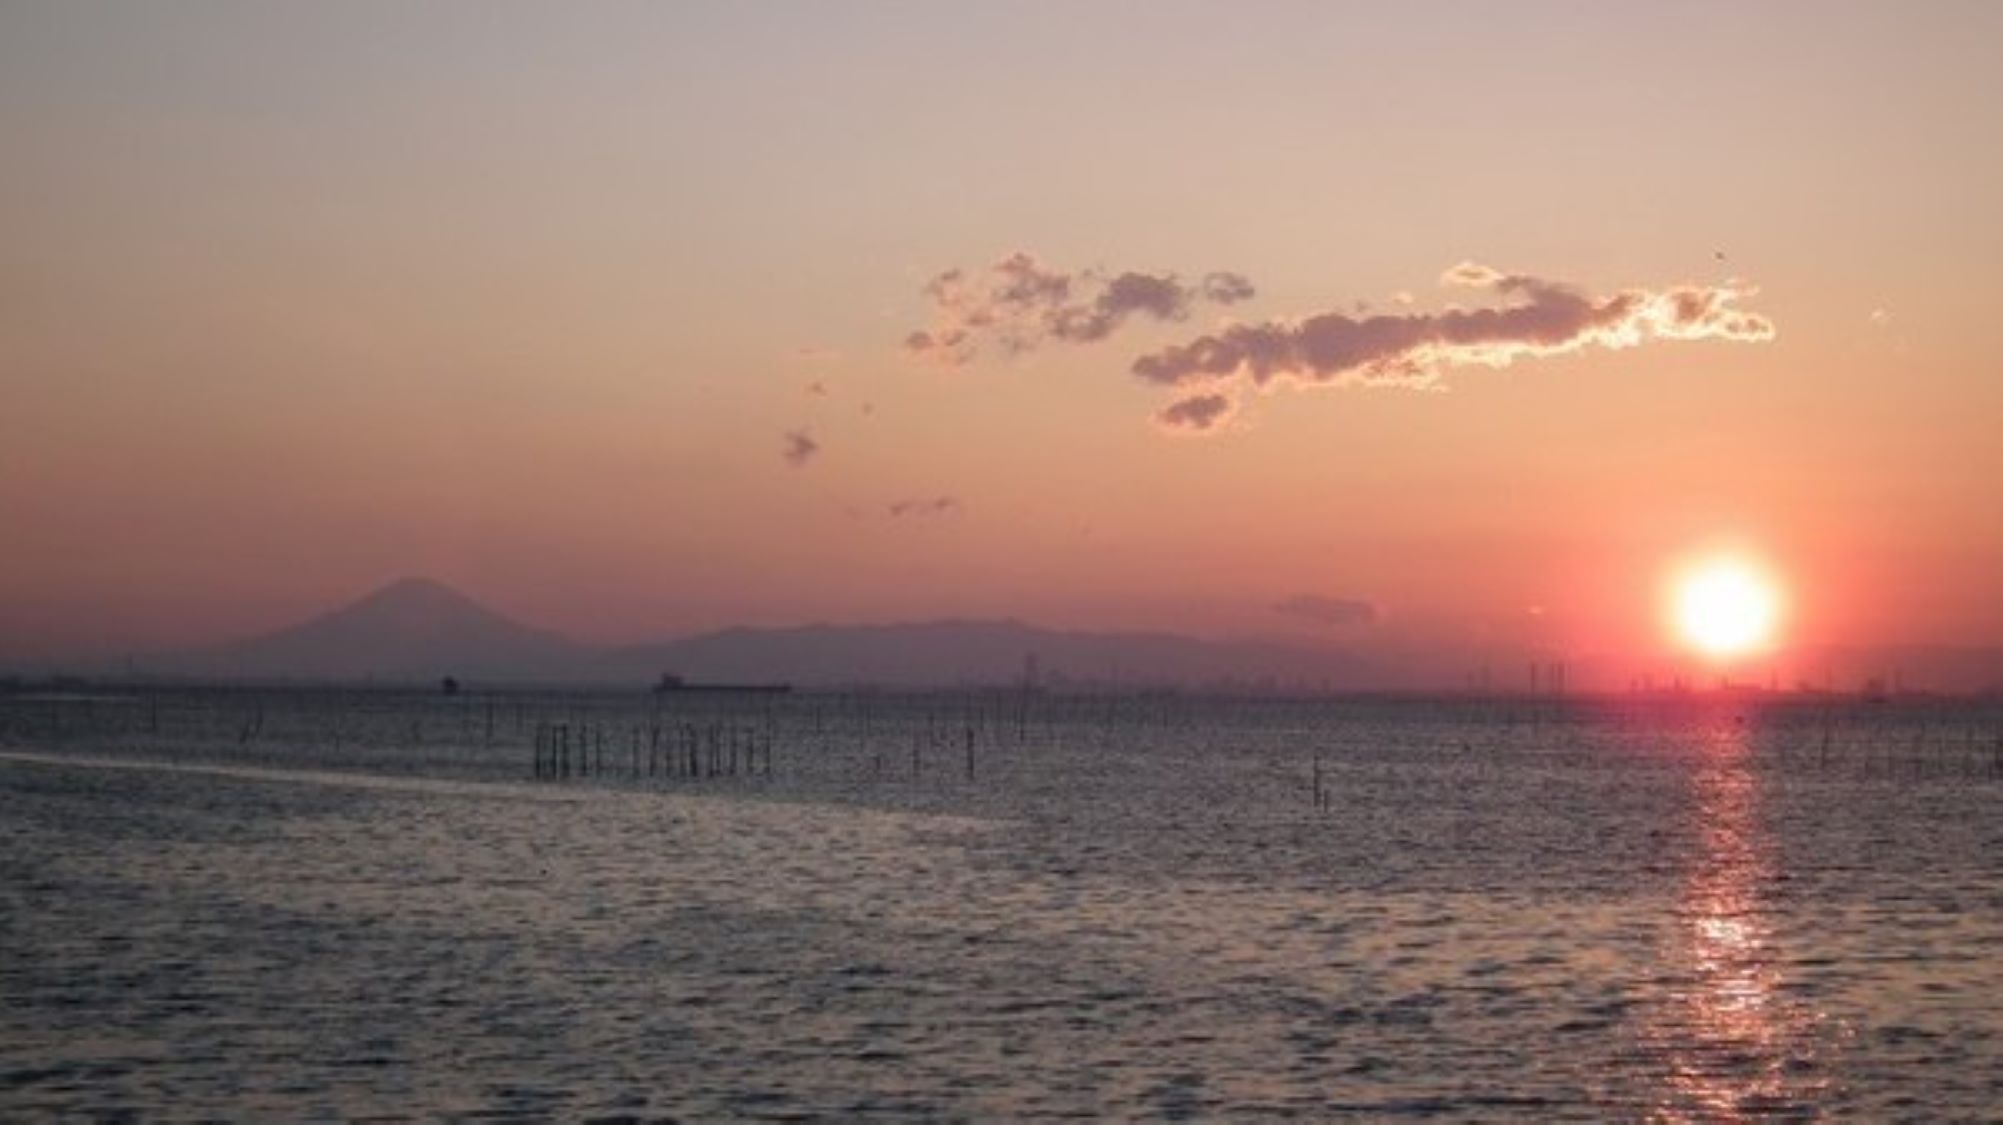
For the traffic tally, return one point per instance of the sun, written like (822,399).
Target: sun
(1725,606)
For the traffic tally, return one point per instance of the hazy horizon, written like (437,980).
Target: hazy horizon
(416,630)
(1433,329)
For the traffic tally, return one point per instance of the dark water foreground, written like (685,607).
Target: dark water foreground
(1590,912)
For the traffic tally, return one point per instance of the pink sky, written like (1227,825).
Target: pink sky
(537,300)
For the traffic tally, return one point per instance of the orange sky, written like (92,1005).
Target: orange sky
(294,301)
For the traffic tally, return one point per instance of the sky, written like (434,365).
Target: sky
(1444,327)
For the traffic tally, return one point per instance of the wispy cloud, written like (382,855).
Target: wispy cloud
(800,448)
(1539,318)
(1018,303)
(926,506)
(1197,413)
(1327,611)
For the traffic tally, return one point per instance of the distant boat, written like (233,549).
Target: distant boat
(672,683)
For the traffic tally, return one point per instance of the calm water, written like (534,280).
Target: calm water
(364,904)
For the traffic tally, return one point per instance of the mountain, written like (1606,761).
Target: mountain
(418,630)
(412,629)
(944,653)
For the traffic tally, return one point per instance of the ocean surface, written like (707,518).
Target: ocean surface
(288,904)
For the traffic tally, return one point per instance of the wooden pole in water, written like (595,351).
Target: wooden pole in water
(970,753)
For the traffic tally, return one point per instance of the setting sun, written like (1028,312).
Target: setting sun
(1725,606)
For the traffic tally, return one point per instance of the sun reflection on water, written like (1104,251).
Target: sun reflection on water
(1737,1043)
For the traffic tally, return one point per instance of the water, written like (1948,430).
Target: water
(299,904)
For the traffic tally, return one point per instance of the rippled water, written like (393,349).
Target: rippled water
(339,906)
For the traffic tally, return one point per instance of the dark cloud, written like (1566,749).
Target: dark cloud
(800,448)
(1327,611)
(818,389)
(1413,349)
(928,506)
(1017,304)
(1196,413)
(1158,296)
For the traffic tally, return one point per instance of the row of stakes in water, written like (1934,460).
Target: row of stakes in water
(687,750)
(564,750)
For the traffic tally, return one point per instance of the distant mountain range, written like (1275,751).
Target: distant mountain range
(420,630)
(984,652)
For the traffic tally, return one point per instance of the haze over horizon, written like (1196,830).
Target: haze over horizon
(647,320)
(418,631)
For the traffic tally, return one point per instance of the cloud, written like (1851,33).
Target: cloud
(1227,288)
(1879,318)
(1413,349)
(1472,275)
(817,389)
(1018,303)
(1327,611)
(800,448)
(1197,413)
(929,506)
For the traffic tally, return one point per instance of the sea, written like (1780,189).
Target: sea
(304,903)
